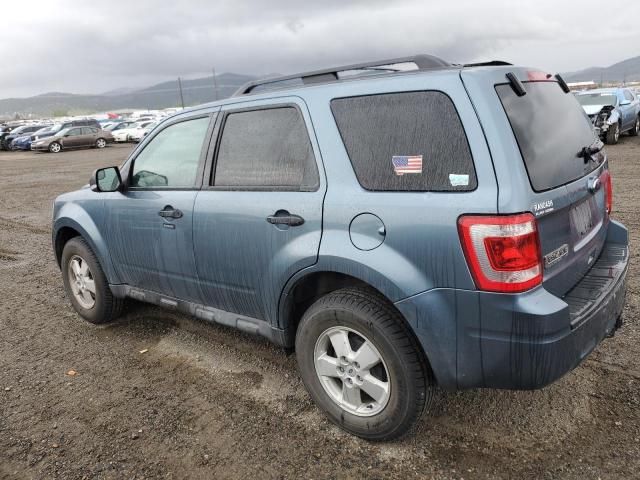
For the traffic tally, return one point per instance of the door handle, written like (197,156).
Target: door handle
(170,212)
(283,217)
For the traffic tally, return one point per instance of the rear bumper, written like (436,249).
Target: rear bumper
(522,341)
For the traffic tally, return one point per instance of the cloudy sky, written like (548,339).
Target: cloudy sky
(93,47)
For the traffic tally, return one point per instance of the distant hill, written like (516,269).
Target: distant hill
(627,70)
(162,95)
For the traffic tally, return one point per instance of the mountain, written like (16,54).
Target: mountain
(626,71)
(162,95)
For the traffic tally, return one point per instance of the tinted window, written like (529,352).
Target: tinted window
(266,148)
(405,141)
(550,128)
(171,158)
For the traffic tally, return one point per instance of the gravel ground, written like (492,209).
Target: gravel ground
(209,402)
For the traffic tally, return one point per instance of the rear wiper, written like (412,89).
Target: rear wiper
(590,150)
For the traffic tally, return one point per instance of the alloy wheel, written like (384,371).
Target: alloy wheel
(352,371)
(81,282)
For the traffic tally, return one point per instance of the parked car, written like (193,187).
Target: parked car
(139,133)
(54,129)
(401,231)
(120,125)
(5,130)
(19,132)
(124,134)
(612,111)
(73,137)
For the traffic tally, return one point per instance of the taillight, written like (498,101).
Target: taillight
(605,181)
(503,252)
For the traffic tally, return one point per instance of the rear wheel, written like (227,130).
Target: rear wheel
(362,365)
(101,143)
(636,128)
(86,284)
(55,147)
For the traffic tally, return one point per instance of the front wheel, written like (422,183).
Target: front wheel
(613,134)
(86,284)
(101,143)
(362,365)
(55,147)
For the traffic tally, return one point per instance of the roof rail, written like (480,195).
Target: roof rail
(423,62)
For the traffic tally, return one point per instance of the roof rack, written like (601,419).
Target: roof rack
(423,62)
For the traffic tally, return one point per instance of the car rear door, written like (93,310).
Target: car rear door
(258,219)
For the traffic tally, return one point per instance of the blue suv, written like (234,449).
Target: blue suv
(402,230)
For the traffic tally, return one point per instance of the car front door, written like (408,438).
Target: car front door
(73,138)
(259,218)
(628,110)
(149,224)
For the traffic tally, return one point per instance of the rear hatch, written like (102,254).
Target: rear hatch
(567,184)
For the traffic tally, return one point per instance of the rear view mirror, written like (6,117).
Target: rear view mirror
(106,180)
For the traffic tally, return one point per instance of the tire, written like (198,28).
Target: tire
(105,307)
(101,143)
(613,134)
(55,147)
(636,128)
(402,379)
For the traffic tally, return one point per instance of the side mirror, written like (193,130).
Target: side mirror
(625,102)
(106,180)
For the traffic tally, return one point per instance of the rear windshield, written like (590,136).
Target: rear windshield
(551,129)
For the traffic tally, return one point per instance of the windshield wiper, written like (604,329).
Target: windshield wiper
(590,150)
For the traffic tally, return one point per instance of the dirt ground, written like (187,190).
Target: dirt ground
(208,402)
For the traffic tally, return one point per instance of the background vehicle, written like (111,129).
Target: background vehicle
(5,130)
(124,134)
(19,132)
(612,111)
(119,126)
(139,133)
(73,137)
(54,129)
(492,263)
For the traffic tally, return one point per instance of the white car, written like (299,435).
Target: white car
(124,134)
(139,133)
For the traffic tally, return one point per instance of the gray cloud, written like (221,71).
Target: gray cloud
(90,47)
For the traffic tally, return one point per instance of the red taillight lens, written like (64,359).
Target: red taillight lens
(503,252)
(605,180)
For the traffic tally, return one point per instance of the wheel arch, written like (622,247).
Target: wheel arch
(66,228)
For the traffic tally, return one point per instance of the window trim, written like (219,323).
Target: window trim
(430,90)
(128,167)
(212,162)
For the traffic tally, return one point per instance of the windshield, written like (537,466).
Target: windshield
(42,130)
(56,127)
(550,149)
(586,99)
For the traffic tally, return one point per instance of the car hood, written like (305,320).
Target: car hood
(593,109)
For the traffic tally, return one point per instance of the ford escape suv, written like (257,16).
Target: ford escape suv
(401,229)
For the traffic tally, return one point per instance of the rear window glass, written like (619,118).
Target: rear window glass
(412,141)
(551,128)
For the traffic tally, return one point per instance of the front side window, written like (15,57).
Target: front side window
(410,141)
(171,158)
(268,148)
(73,131)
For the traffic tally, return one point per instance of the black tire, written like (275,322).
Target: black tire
(411,383)
(106,307)
(55,147)
(613,134)
(636,128)
(101,143)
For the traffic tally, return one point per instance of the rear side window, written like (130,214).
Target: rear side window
(267,148)
(411,141)
(551,128)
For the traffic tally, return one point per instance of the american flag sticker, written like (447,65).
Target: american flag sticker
(407,164)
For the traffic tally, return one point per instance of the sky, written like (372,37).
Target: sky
(94,47)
